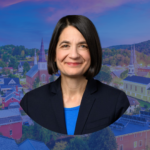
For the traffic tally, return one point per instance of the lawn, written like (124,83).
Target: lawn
(142,103)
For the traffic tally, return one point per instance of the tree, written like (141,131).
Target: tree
(145,106)
(136,110)
(106,69)
(112,62)
(124,74)
(22,53)
(5,71)
(13,62)
(52,78)
(5,57)
(76,144)
(104,76)
(36,83)
(38,133)
(60,145)
(26,67)
(102,140)
(2,93)
(2,64)
(12,76)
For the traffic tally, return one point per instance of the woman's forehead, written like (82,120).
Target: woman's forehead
(71,34)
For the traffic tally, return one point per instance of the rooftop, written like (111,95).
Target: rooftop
(9,112)
(138,79)
(32,145)
(129,127)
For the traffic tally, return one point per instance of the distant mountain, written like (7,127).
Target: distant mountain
(140,47)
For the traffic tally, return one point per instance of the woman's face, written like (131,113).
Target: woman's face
(72,48)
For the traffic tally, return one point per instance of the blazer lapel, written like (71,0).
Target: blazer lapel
(57,103)
(85,106)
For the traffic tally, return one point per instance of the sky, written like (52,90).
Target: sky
(118,22)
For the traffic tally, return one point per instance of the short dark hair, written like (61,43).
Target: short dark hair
(88,30)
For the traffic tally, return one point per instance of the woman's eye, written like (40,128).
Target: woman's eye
(84,46)
(65,46)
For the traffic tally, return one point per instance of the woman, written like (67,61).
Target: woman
(75,103)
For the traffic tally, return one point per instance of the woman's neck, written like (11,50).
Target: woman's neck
(73,87)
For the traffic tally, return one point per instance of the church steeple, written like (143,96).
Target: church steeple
(131,65)
(131,57)
(42,53)
(35,58)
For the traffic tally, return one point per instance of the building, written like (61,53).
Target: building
(11,123)
(20,67)
(9,68)
(117,73)
(143,73)
(132,132)
(39,69)
(136,86)
(8,84)
(12,99)
(133,104)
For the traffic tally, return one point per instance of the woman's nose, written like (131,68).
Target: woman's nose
(74,51)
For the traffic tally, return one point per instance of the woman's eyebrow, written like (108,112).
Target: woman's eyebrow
(82,42)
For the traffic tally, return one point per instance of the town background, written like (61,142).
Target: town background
(26,28)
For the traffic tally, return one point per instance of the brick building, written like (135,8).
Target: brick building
(11,123)
(132,132)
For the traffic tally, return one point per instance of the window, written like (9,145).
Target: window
(43,77)
(135,135)
(10,132)
(140,143)
(121,147)
(135,88)
(10,120)
(135,144)
(121,138)
(141,89)
(130,87)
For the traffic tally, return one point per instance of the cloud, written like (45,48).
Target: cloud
(67,7)
(6,3)
(87,6)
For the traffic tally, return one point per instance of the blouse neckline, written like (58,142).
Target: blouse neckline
(72,108)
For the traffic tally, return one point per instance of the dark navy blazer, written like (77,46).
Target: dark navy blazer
(101,105)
